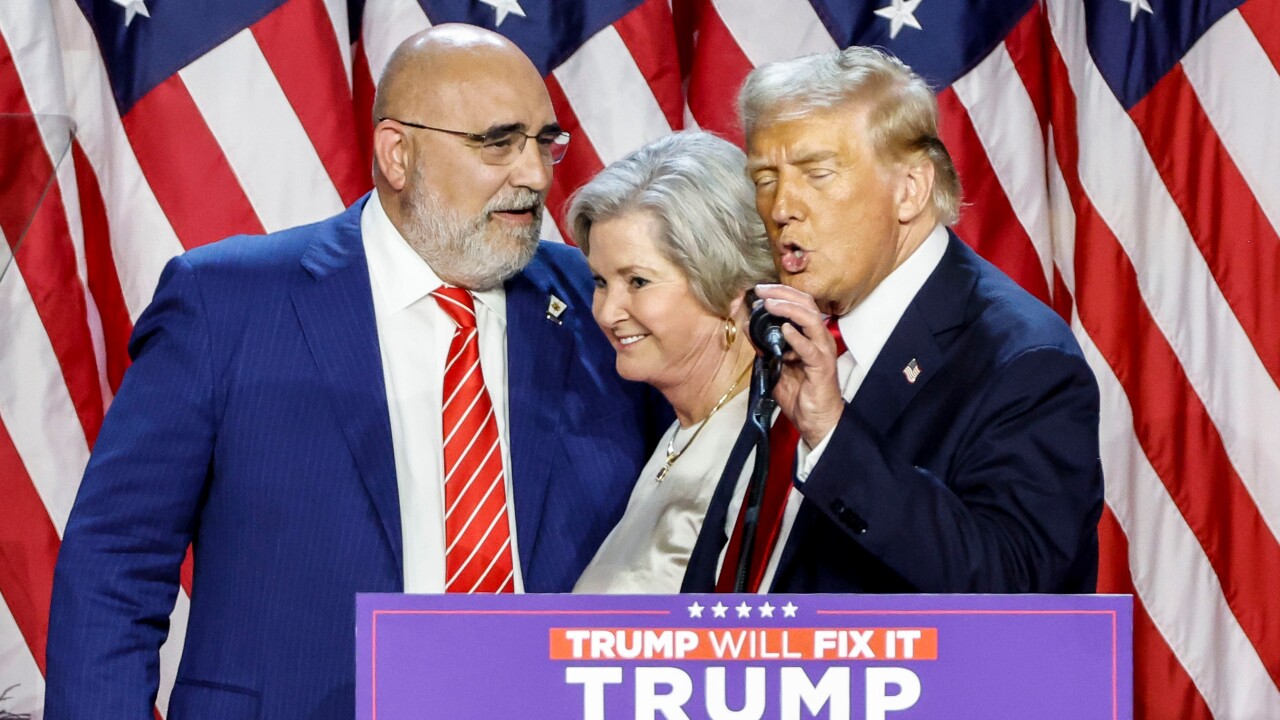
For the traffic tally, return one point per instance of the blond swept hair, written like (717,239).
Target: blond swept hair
(902,112)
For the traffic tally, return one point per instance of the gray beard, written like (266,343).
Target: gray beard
(472,253)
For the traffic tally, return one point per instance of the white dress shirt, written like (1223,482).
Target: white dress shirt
(414,335)
(865,329)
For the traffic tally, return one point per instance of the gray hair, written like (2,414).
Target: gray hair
(694,186)
(902,118)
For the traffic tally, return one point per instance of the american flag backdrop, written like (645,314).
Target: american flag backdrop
(1120,160)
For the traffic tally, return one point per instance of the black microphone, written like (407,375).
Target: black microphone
(765,329)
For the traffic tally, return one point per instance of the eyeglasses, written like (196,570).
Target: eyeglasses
(503,146)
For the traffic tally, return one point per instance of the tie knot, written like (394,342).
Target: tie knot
(833,325)
(457,304)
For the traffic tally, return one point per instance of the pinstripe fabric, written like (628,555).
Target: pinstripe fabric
(256,427)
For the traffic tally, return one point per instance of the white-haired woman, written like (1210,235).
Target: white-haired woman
(674,241)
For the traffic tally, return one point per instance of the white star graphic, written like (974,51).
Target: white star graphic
(789,610)
(744,610)
(695,610)
(1134,7)
(902,12)
(718,609)
(766,610)
(133,8)
(503,7)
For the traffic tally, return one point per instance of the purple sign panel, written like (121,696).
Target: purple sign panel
(744,657)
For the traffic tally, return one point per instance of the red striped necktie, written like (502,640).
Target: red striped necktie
(783,441)
(476,528)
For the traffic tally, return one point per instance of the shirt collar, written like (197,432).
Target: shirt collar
(400,277)
(867,327)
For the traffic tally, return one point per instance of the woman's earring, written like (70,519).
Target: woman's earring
(730,332)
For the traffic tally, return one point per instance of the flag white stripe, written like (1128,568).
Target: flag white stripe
(1171,572)
(1242,102)
(337,11)
(142,240)
(550,232)
(384,25)
(37,411)
(22,678)
(775,30)
(171,650)
(1188,306)
(281,200)
(604,66)
(40,70)
(1172,576)
(1006,124)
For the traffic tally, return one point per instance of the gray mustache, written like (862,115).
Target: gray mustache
(519,200)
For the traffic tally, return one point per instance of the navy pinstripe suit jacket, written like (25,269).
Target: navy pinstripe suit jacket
(254,424)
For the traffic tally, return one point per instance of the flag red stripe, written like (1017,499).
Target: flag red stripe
(992,228)
(1172,425)
(1234,235)
(48,265)
(1263,18)
(648,34)
(363,87)
(191,178)
(28,547)
(580,163)
(1166,691)
(45,255)
(1025,45)
(300,45)
(719,68)
(104,282)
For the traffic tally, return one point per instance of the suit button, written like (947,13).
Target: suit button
(847,517)
(856,523)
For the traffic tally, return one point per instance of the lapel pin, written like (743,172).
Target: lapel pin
(555,308)
(912,371)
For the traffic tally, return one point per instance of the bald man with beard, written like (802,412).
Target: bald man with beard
(288,414)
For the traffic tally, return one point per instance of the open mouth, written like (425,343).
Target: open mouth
(522,214)
(794,259)
(626,340)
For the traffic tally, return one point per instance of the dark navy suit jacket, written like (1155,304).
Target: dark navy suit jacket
(982,476)
(254,424)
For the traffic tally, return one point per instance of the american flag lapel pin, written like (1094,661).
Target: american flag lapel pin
(555,308)
(912,371)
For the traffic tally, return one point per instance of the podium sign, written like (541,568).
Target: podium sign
(744,657)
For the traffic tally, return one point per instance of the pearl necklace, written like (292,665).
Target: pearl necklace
(672,454)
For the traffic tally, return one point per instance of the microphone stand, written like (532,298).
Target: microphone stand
(764,376)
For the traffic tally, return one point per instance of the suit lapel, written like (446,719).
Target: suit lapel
(887,389)
(538,353)
(919,338)
(335,309)
(914,353)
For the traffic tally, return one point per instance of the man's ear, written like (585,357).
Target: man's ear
(391,153)
(915,188)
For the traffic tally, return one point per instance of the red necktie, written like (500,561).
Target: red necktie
(783,440)
(833,325)
(476,530)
